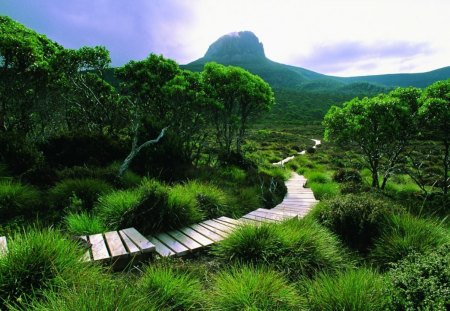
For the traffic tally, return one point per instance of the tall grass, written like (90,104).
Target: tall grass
(356,290)
(324,190)
(252,288)
(17,199)
(171,290)
(83,224)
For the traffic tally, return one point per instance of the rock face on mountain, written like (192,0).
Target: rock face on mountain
(237,47)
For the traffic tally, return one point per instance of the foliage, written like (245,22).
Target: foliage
(356,289)
(83,224)
(171,290)
(347,175)
(421,281)
(357,219)
(17,199)
(252,288)
(37,261)
(324,190)
(405,234)
(298,248)
(87,190)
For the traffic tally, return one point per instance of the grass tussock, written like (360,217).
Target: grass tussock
(17,199)
(84,224)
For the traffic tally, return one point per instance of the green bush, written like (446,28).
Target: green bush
(182,208)
(347,175)
(356,219)
(296,247)
(319,178)
(404,234)
(17,199)
(112,207)
(37,261)
(83,224)
(87,190)
(249,288)
(324,190)
(171,290)
(212,201)
(18,154)
(421,281)
(360,289)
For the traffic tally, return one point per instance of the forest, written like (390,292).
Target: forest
(86,149)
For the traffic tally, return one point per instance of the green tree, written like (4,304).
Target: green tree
(435,113)
(239,96)
(380,128)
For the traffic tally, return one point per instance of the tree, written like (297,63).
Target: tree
(239,96)
(380,127)
(435,114)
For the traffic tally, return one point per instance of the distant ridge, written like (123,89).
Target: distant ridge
(245,50)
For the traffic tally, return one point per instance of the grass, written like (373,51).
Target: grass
(324,191)
(168,289)
(17,199)
(253,288)
(83,224)
(356,290)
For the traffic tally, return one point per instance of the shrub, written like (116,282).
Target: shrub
(360,289)
(421,281)
(347,175)
(182,208)
(296,247)
(404,234)
(212,201)
(319,178)
(87,190)
(249,288)
(36,261)
(171,290)
(324,190)
(83,224)
(112,207)
(233,174)
(18,154)
(356,219)
(17,199)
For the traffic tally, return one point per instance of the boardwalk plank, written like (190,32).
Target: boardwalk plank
(217,225)
(132,248)
(144,245)
(199,238)
(99,250)
(173,244)
(161,248)
(185,240)
(207,233)
(115,245)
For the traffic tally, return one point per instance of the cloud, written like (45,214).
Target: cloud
(341,56)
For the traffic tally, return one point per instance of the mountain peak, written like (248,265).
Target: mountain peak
(236,47)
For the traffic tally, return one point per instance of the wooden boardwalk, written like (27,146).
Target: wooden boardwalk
(297,203)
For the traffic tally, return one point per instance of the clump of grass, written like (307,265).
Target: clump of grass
(233,174)
(87,190)
(182,205)
(405,234)
(360,289)
(83,224)
(37,261)
(171,290)
(298,248)
(17,199)
(277,172)
(324,190)
(250,288)
(112,207)
(317,177)
(212,201)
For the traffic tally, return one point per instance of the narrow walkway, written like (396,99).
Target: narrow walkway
(297,203)
(284,161)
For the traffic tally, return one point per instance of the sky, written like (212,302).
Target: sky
(336,37)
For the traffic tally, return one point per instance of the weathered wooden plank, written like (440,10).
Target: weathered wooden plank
(185,240)
(207,233)
(115,245)
(129,245)
(285,213)
(161,248)
(258,218)
(144,245)
(87,256)
(173,244)
(268,216)
(230,220)
(225,223)
(3,246)
(215,230)
(217,225)
(99,250)
(197,236)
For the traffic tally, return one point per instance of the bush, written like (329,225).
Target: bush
(112,207)
(347,175)
(249,288)
(171,290)
(356,219)
(37,261)
(421,281)
(360,289)
(17,199)
(212,201)
(83,224)
(319,178)
(182,208)
(324,191)
(297,247)
(405,234)
(19,155)
(87,190)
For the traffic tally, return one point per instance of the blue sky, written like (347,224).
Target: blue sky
(347,37)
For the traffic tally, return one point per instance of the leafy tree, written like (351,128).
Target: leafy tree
(380,127)
(435,112)
(239,96)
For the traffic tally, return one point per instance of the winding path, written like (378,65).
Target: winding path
(282,162)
